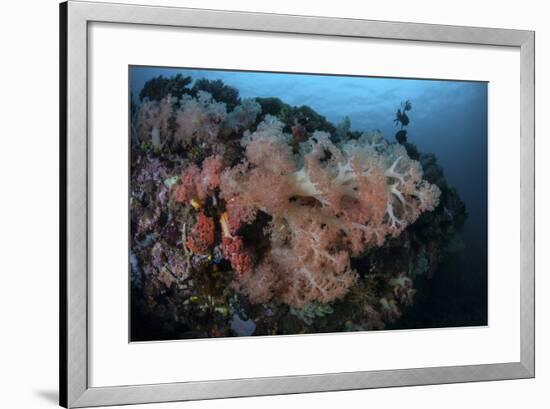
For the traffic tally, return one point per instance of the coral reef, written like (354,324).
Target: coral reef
(250,216)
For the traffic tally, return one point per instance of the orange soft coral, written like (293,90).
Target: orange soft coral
(187,190)
(233,248)
(328,203)
(202,235)
(240,257)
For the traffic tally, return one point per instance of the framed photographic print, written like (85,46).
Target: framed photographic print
(257,204)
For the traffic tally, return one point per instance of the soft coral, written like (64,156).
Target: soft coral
(327,204)
(197,184)
(202,235)
(233,248)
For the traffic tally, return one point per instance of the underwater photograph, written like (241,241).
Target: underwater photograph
(265,203)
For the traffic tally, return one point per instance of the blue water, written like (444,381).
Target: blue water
(448,118)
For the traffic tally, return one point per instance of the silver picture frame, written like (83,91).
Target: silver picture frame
(75,16)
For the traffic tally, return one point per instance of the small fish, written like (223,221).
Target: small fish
(401,136)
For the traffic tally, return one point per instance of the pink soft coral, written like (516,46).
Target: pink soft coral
(154,121)
(199,120)
(327,203)
(197,184)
